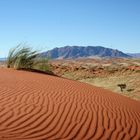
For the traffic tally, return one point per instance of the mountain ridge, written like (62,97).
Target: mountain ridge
(68,52)
(134,55)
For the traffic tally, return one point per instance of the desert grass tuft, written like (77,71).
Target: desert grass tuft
(23,57)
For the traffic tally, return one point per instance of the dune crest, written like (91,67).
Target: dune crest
(41,107)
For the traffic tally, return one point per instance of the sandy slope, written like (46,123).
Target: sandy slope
(41,107)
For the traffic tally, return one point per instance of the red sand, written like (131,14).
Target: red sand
(40,107)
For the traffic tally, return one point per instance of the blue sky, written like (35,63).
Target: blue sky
(45,24)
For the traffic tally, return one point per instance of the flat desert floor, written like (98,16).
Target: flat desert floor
(35,106)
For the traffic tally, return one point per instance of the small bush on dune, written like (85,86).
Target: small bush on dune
(122,86)
(41,63)
(22,57)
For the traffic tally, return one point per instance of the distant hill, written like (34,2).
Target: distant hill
(2,59)
(69,52)
(135,55)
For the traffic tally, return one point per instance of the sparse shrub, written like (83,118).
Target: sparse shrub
(122,86)
(42,64)
(130,90)
(23,57)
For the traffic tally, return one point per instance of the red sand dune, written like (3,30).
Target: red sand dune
(41,107)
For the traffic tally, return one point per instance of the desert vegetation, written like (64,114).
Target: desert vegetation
(103,72)
(23,57)
(122,86)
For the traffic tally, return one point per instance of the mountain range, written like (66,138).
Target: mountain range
(2,59)
(72,52)
(135,55)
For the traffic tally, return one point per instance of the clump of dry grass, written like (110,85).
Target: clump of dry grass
(23,57)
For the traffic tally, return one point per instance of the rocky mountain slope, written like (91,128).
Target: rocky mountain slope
(68,52)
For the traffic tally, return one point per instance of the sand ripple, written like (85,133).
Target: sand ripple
(41,107)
